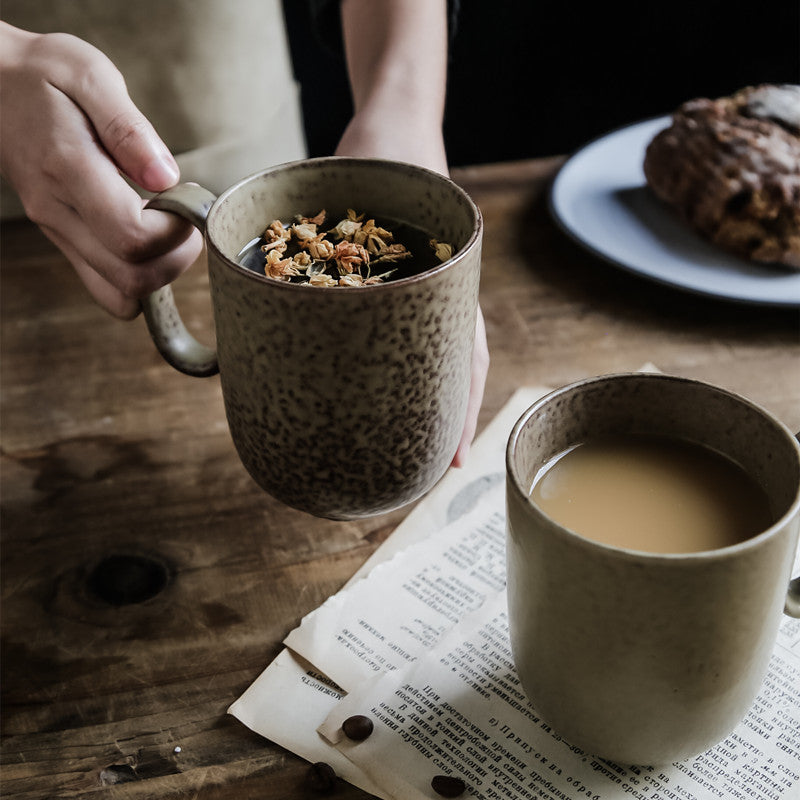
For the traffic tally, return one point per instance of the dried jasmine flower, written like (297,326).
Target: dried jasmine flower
(350,257)
(320,248)
(302,252)
(273,267)
(322,279)
(444,252)
(304,230)
(319,219)
(278,245)
(303,260)
(281,269)
(373,237)
(393,252)
(346,229)
(277,230)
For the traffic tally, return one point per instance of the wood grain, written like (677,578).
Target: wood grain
(107,452)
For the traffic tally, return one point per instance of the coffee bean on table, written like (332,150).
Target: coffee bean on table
(448,786)
(321,778)
(357,727)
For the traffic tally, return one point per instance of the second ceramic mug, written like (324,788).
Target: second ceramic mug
(343,402)
(640,657)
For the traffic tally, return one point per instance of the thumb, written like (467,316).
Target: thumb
(133,144)
(125,133)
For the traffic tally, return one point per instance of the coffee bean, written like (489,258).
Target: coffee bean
(321,778)
(448,786)
(357,727)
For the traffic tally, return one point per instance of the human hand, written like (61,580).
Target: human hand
(371,134)
(69,134)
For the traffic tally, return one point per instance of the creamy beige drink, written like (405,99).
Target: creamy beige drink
(648,571)
(656,494)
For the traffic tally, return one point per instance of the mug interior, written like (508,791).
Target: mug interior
(659,405)
(379,188)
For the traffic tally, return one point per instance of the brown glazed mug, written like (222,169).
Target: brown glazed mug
(344,402)
(642,657)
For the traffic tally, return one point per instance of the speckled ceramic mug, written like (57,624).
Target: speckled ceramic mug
(647,658)
(343,402)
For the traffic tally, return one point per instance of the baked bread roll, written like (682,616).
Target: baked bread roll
(731,168)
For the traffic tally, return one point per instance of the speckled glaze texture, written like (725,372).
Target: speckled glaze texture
(345,402)
(638,657)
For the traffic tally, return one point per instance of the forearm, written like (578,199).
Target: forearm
(396,53)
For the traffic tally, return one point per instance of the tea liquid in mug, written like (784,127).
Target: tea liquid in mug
(654,494)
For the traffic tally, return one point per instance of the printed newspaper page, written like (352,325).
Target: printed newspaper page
(421,644)
(286,704)
(460,710)
(405,605)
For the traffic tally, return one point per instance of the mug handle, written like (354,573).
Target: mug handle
(792,606)
(177,346)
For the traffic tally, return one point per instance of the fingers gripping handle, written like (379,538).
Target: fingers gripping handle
(188,200)
(177,346)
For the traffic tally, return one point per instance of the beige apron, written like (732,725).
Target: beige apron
(213,76)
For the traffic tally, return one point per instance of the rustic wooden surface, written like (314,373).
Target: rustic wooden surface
(107,452)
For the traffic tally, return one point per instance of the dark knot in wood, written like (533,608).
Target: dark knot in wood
(120,580)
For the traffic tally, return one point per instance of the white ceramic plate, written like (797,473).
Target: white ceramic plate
(600,198)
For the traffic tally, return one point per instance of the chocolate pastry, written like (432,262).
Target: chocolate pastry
(731,169)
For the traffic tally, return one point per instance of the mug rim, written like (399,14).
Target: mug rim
(514,484)
(395,285)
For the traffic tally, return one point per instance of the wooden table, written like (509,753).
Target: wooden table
(120,484)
